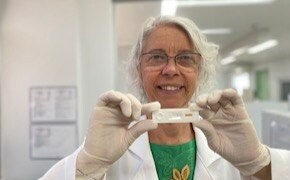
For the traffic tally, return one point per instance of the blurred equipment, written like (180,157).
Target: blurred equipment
(276,128)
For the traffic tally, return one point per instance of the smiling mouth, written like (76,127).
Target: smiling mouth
(170,87)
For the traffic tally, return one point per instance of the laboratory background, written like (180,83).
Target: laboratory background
(58,56)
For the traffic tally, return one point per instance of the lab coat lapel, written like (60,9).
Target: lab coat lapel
(146,166)
(204,157)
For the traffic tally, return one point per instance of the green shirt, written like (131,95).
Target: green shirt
(175,162)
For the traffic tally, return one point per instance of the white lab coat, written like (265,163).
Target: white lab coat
(138,164)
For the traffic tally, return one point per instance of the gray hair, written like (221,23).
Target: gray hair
(208,51)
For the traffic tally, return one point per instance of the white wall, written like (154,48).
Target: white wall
(38,49)
(1,10)
(96,52)
(50,43)
(122,78)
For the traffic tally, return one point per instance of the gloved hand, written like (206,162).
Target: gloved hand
(230,132)
(108,135)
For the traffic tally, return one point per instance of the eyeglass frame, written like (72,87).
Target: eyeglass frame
(175,59)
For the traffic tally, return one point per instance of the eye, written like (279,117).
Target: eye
(185,59)
(157,57)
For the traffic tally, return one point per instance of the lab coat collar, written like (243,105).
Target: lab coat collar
(207,155)
(141,147)
(142,150)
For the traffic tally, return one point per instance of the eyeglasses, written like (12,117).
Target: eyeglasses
(187,61)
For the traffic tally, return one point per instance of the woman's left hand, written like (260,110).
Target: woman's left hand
(230,131)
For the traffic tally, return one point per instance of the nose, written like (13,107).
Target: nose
(171,68)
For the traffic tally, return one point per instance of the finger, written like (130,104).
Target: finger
(214,97)
(233,96)
(140,127)
(201,100)
(114,98)
(213,100)
(135,106)
(108,97)
(225,102)
(125,105)
(150,107)
(206,113)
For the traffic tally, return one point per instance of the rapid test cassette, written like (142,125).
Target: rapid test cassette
(178,115)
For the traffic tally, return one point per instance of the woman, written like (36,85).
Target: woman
(172,63)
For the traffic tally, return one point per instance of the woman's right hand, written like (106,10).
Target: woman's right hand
(109,134)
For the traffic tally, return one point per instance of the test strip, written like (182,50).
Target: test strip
(178,115)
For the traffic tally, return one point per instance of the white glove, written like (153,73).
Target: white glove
(230,132)
(108,135)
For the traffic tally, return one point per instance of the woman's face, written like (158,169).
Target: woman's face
(171,85)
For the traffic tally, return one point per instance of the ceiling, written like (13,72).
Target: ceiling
(250,25)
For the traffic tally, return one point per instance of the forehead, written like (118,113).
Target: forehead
(167,36)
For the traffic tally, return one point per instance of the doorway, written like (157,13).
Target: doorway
(262,85)
(284,90)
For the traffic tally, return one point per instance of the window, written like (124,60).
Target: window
(240,82)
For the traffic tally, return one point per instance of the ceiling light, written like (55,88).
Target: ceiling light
(228,60)
(221,2)
(217,31)
(239,51)
(168,7)
(263,46)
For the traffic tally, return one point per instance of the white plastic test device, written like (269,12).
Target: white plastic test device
(177,115)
